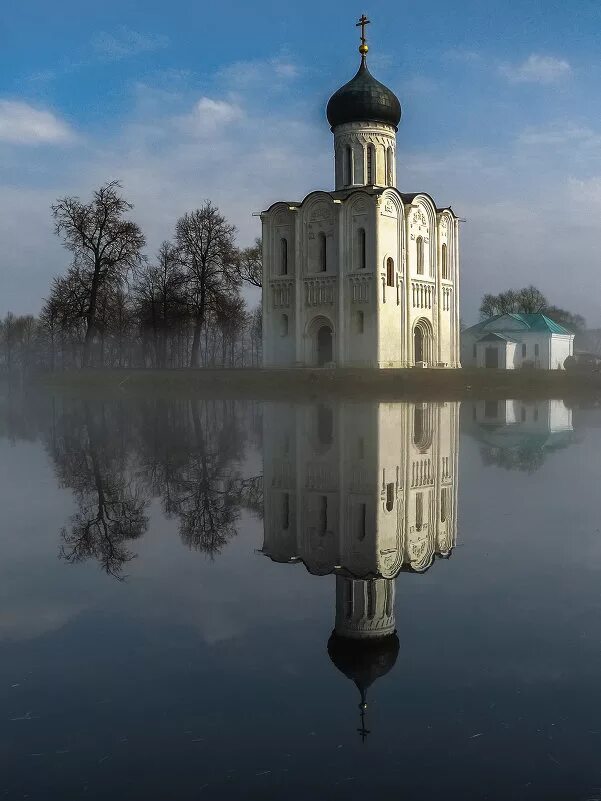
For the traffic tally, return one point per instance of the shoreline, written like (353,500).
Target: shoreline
(291,383)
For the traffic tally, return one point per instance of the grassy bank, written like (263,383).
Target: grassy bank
(354,383)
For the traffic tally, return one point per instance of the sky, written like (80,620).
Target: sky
(184,101)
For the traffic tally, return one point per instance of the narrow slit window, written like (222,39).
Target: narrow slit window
(419,511)
(389,497)
(445,262)
(348,166)
(419,245)
(284,325)
(348,599)
(371,600)
(389,272)
(323,253)
(361,249)
(443,505)
(360,322)
(371,165)
(283,256)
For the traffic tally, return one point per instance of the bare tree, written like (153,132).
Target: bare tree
(528,300)
(160,301)
(250,264)
(206,242)
(104,244)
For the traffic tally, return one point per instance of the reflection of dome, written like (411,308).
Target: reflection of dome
(364,99)
(363,660)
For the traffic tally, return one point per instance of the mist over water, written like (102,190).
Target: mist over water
(231,599)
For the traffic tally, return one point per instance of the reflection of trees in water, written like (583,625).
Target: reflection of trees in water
(527,458)
(190,453)
(116,456)
(91,457)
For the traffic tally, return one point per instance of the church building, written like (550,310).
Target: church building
(364,275)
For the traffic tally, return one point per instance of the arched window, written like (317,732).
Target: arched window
(389,166)
(284,325)
(389,497)
(445,261)
(283,256)
(371,165)
(323,252)
(389,272)
(348,166)
(419,246)
(360,322)
(361,249)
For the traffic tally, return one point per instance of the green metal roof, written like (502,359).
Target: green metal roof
(492,336)
(531,322)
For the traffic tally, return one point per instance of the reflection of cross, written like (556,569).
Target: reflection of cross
(363,732)
(363,21)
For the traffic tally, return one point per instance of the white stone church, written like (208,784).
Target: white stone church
(365,275)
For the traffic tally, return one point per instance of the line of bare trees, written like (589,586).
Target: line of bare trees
(115,307)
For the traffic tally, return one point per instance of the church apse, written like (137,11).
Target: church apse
(365,491)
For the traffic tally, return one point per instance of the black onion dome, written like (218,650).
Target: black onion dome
(363,99)
(363,660)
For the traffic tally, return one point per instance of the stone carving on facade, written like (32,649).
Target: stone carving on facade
(282,291)
(360,288)
(319,291)
(282,218)
(321,211)
(390,208)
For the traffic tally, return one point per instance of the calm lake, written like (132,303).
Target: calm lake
(233,600)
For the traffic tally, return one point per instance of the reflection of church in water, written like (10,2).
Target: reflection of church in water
(365,491)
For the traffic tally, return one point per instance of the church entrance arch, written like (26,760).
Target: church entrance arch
(324,345)
(423,341)
(320,343)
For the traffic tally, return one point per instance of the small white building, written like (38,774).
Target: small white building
(511,341)
(364,275)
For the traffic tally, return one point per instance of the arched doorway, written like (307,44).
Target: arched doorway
(423,342)
(418,345)
(320,342)
(324,345)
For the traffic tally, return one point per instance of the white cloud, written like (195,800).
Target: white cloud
(558,134)
(209,116)
(21,123)
(125,42)
(271,74)
(537,69)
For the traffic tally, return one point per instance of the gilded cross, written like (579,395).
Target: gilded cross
(363,21)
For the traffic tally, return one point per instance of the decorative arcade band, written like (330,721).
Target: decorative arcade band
(365,491)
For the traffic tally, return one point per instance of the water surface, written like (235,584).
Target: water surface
(234,600)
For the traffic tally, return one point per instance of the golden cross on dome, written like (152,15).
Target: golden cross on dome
(363,21)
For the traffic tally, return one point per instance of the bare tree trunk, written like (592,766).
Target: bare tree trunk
(195,354)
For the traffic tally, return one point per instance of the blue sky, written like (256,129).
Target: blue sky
(184,101)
